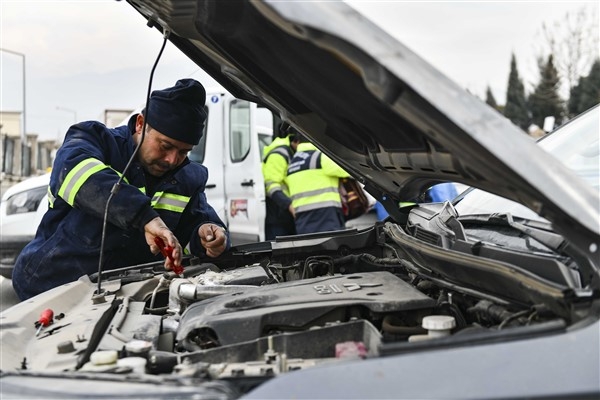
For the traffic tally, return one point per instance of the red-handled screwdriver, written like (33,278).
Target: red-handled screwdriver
(45,319)
(167,252)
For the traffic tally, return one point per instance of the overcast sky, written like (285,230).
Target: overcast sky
(85,56)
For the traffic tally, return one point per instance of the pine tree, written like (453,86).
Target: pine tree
(516,103)
(575,98)
(489,98)
(590,90)
(587,92)
(545,100)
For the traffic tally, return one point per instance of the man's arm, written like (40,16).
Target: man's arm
(274,171)
(84,177)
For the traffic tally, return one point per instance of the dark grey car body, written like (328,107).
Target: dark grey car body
(526,319)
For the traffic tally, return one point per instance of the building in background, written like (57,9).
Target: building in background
(36,157)
(115,117)
(18,161)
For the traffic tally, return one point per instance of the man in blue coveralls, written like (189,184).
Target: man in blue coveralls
(161,195)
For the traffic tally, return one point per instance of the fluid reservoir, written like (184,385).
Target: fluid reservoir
(437,326)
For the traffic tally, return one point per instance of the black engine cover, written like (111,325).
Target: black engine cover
(295,306)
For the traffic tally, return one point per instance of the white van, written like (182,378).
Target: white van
(231,148)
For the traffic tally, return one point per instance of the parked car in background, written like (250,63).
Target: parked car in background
(494,295)
(21,210)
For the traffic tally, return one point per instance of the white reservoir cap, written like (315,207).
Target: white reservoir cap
(437,326)
(138,346)
(439,322)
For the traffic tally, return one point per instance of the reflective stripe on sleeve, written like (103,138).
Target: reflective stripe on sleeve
(169,201)
(272,187)
(51,198)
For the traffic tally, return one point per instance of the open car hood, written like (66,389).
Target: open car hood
(380,111)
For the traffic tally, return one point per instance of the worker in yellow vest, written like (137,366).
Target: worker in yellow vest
(313,182)
(279,220)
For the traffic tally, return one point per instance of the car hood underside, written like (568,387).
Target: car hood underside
(379,110)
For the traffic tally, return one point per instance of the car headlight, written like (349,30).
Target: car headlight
(24,202)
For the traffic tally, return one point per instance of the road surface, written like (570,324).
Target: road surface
(8,297)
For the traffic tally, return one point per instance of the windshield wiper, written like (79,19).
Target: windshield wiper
(552,241)
(565,268)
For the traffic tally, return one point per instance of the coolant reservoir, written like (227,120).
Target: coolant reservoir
(437,326)
(103,360)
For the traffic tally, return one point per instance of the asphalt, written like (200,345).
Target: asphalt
(8,297)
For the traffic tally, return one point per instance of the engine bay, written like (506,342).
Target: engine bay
(261,312)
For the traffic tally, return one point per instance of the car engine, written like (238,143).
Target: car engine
(267,309)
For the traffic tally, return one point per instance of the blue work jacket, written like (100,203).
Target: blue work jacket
(86,168)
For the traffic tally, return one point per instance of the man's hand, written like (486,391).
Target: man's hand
(213,239)
(157,228)
(292,210)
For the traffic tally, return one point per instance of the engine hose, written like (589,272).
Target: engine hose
(496,312)
(388,327)
(354,258)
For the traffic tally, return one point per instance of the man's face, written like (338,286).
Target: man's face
(158,153)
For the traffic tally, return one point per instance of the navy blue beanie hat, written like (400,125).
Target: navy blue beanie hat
(178,111)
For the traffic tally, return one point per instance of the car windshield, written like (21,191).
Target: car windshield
(576,145)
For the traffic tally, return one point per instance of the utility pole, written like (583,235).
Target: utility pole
(24,126)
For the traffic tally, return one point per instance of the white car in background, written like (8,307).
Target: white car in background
(21,210)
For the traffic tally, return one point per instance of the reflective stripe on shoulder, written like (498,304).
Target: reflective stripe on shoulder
(315,160)
(169,201)
(77,177)
(282,151)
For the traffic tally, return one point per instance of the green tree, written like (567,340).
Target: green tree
(516,103)
(490,99)
(575,98)
(587,92)
(545,100)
